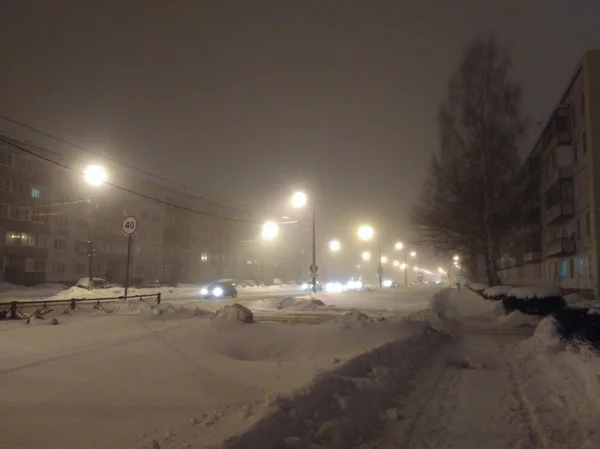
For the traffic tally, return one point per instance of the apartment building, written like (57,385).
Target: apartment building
(48,216)
(567,174)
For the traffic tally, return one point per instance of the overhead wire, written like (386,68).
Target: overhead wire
(116,161)
(133,192)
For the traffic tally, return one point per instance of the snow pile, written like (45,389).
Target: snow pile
(478,287)
(41,320)
(516,318)
(535,292)
(291,303)
(560,385)
(235,312)
(354,317)
(575,298)
(498,290)
(8,287)
(9,292)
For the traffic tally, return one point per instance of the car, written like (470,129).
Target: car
(96,283)
(307,286)
(220,289)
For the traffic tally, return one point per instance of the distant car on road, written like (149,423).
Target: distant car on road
(220,289)
(307,286)
(96,283)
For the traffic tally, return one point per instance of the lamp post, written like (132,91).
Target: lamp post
(95,176)
(366,233)
(270,230)
(299,200)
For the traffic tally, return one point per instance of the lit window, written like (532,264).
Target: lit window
(580,266)
(564,269)
(36,193)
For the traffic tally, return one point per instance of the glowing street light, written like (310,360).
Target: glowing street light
(413,254)
(365,233)
(270,230)
(335,245)
(366,256)
(399,246)
(95,175)
(403,266)
(456,258)
(396,263)
(384,259)
(299,200)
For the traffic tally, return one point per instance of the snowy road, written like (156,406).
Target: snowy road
(450,375)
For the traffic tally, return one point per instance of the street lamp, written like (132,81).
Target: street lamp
(270,230)
(383,259)
(335,245)
(399,246)
(366,256)
(456,258)
(413,254)
(299,200)
(365,233)
(396,263)
(94,175)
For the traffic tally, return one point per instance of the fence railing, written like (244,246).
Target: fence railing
(14,310)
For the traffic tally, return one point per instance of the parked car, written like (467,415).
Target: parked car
(220,289)
(96,283)
(307,286)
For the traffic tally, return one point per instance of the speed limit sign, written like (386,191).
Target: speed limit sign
(129,225)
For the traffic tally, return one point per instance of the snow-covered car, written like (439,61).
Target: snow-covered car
(220,289)
(96,283)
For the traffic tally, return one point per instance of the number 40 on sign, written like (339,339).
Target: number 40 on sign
(129,225)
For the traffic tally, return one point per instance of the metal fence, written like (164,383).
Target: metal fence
(14,310)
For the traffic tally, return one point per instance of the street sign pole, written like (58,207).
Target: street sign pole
(129,238)
(128,228)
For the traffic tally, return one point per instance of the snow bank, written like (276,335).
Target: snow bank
(560,387)
(9,291)
(498,290)
(290,303)
(235,312)
(516,318)
(535,292)
(575,298)
(478,287)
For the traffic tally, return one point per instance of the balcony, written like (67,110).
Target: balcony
(561,247)
(532,257)
(560,212)
(558,174)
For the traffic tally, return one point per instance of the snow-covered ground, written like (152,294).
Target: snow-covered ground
(10,292)
(433,368)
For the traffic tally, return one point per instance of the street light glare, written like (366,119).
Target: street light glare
(413,254)
(456,258)
(365,233)
(270,230)
(399,246)
(335,245)
(403,266)
(396,263)
(299,200)
(384,259)
(366,255)
(95,175)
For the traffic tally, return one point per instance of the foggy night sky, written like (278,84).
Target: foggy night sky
(250,99)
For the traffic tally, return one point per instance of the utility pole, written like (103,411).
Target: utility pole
(380,265)
(406,267)
(90,246)
(313,267)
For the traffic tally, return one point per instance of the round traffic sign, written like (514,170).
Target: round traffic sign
(313,268)
(129,225)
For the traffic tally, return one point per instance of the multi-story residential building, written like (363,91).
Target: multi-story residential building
(48,216)
(568,155)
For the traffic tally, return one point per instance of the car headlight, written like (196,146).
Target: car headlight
(304,286)
(204,291)
(351,284)
(358,284)
(387,283)
(334,287)
(217,291)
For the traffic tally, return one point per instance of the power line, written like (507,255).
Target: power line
(116,161)
(142,195)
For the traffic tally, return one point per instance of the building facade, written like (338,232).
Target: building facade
(49,216)
(555,239)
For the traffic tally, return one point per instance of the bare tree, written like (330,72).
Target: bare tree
(465,200)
